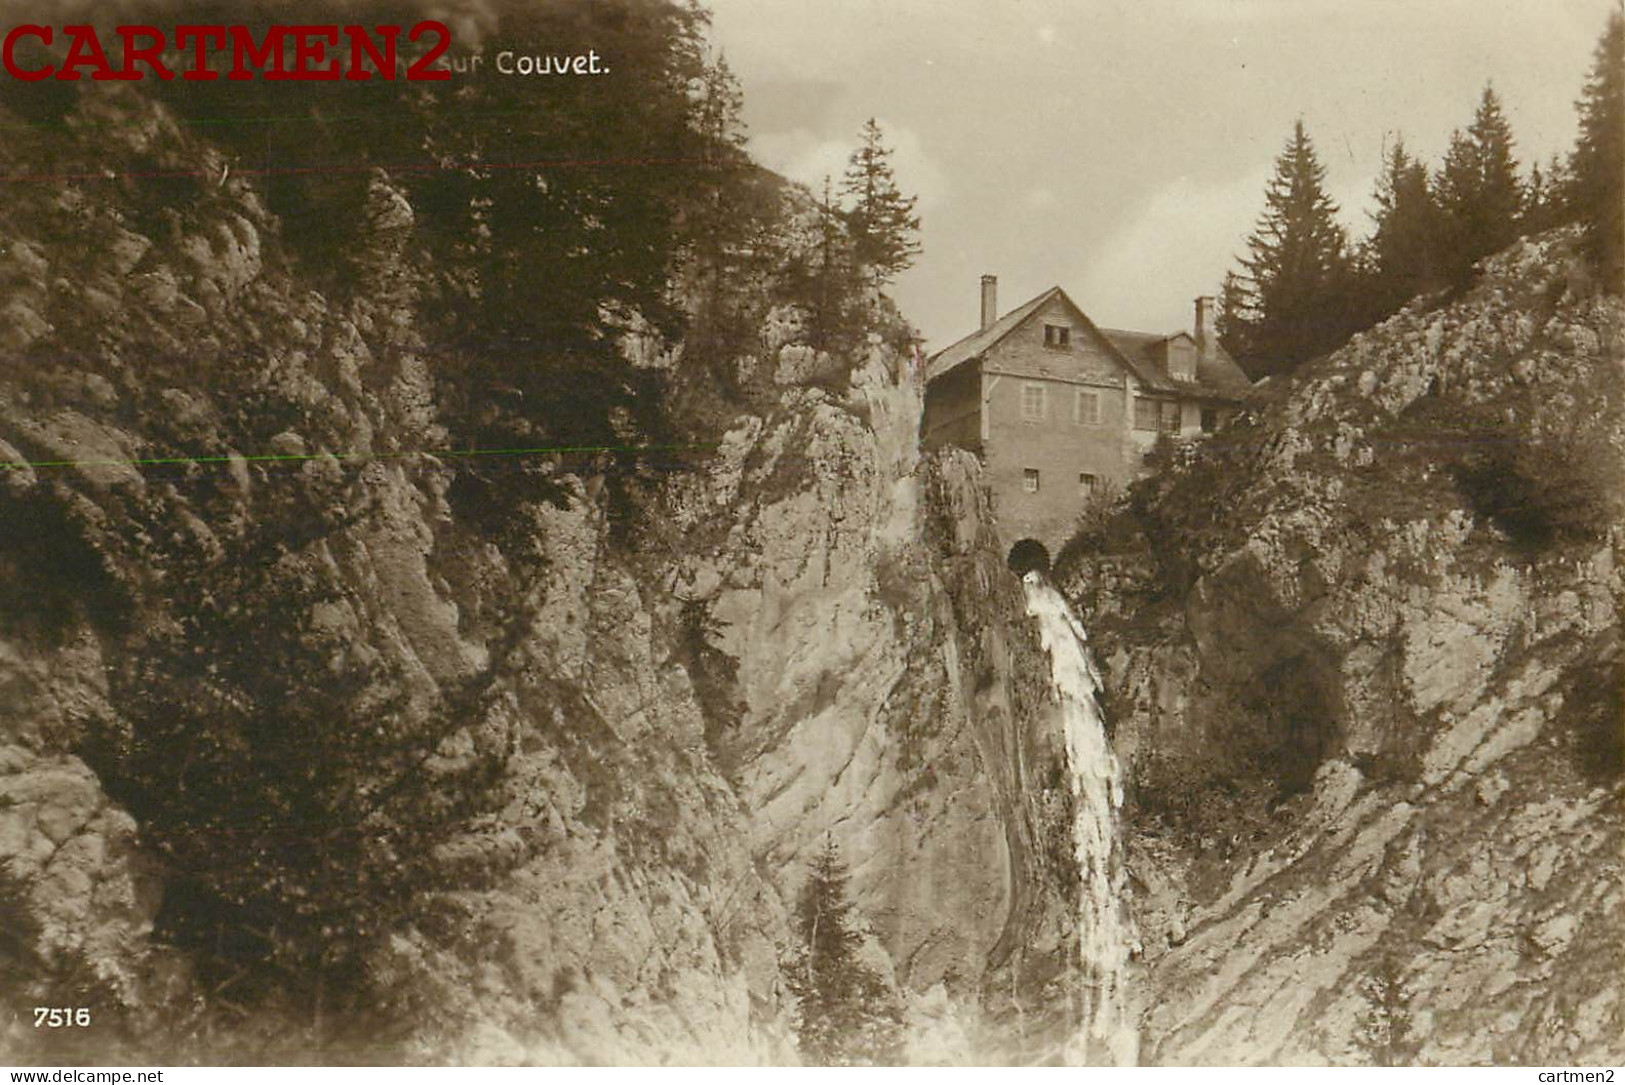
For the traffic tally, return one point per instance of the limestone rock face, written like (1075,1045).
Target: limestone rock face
(1444,885)
(867,672)
(872,686)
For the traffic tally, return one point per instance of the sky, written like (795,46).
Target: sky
(1120,148)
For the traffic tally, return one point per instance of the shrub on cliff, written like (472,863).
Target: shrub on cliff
(302,799)
(713,672)
(1592,718)
(1542,492)
(1541,489)
(1103,526)
(1212,800)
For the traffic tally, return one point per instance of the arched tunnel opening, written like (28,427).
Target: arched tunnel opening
(1028,556)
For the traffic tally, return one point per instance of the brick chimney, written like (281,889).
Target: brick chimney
(990,300)
(1207,336)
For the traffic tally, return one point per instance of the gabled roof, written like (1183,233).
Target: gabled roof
(974,344)
(1218,375)
(1141,353)
(979,342)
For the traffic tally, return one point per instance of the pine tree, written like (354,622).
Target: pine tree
(1402,250)
(716,219)
(1545,197)
(1597,191)
(1291,300)
(1233,320)
(1480,199)
(846,1015)
(718,105)
(882,219)
(835,277)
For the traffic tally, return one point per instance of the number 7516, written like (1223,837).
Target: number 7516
(61,1017)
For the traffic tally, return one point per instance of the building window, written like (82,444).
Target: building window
(1210,419)
(1086,408)
(1058,336)
(1029,479)
(1032,402)
(1170,418)
(1087,484)
(1146,414)
(1181,360)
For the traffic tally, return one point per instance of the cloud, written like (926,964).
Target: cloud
(1178,246)
(1182,242)
(806,156)
(801,155)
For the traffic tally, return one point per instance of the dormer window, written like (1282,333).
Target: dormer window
(1182,359)
(1057,336)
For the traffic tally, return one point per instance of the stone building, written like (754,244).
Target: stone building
(1058,408)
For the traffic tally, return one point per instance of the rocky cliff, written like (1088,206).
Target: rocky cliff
(1360,653)
(1363,658)
(809,634)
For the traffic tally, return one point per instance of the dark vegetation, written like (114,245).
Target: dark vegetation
(713,672)
(51,578)
(846,1014)
(301,799)
(1303,288)
(1099,526)
(307,797)
(1593,716)
(1541,491)
(1216,803)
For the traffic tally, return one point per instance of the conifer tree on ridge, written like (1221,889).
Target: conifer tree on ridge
(1597,166)
(1291,299)
(1402,251)
(883,223)
(1479,194)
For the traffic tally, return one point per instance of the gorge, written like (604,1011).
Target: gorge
(1308,753)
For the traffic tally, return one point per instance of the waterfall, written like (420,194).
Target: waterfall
(1105,1033)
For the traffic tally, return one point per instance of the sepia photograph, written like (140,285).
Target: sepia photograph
(811,533)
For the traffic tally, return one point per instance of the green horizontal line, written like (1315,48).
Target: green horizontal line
(157,461)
